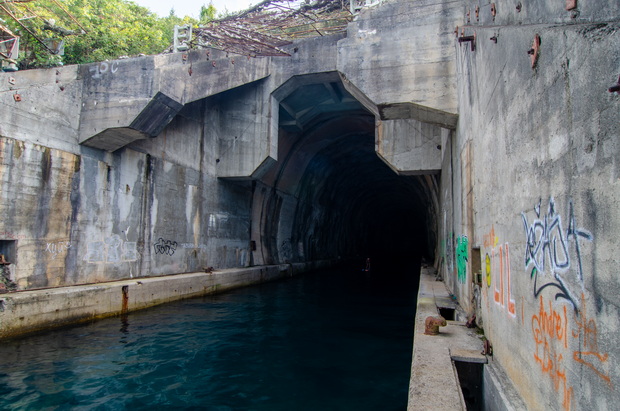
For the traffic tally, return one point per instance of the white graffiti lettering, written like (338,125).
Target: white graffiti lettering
(548,250)
(112,250)
(102,68)
(57,248)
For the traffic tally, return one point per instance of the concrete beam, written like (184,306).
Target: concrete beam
(395,111)
(148,123)
(410,147)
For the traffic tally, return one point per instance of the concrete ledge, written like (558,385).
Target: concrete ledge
(499,392)
(25,312)
(434,384)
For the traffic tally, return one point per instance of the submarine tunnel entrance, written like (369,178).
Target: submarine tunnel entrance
(331,196)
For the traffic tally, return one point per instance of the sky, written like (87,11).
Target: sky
(192,7)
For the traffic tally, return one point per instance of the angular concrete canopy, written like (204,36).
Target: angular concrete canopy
(304,100)
(128,100)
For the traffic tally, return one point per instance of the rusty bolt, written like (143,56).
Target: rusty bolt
(232,61)
(456,31)
(17,97)
(493,10)
(11,80)
(494,39)
(477,13)
(190,71)
(213,64)
(62,88)
(184,57)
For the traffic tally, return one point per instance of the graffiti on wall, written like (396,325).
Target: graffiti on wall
(553,252)
(487,269)
(500,263)
(56,248)
(103,68)
(111,250)
(166,247)
(588,354)
(461,258)
(552,337)
(553,257)
(550,332)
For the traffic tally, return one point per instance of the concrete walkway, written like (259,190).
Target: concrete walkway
(434,383)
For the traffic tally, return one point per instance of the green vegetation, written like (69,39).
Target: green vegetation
(104,29)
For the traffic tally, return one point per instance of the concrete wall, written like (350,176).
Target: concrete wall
(531,178)
(75,214)
(525,213)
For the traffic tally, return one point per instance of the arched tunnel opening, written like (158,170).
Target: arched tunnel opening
(333,197)
(367,210)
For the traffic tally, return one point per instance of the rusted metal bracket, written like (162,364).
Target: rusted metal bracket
(616,88)
(535,50)
(571,4)
(17,97)
(493,11)
(469,39)
(487,348)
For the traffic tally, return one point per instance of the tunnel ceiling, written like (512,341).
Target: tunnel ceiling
(347,200)
(311,102)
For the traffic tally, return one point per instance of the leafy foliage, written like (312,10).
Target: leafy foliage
(111,29)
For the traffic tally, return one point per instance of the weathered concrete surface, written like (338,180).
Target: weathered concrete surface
(522,216)
(417,153)
(434,383)
(532,198)
(402,52)
(127,100)
(30,311)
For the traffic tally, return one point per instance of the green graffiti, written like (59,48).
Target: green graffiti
(461,258)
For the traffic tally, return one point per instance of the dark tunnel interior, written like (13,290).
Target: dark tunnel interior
(349,202)
(370,211)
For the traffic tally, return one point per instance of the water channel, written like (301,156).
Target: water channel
(330,340)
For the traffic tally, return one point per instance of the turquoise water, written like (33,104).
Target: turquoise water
(332,340)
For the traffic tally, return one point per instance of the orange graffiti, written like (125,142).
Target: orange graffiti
(550,332)
(586,329)
(504,277)
(489,239)
(549,326)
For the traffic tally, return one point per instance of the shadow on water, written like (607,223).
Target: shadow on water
(331,340)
